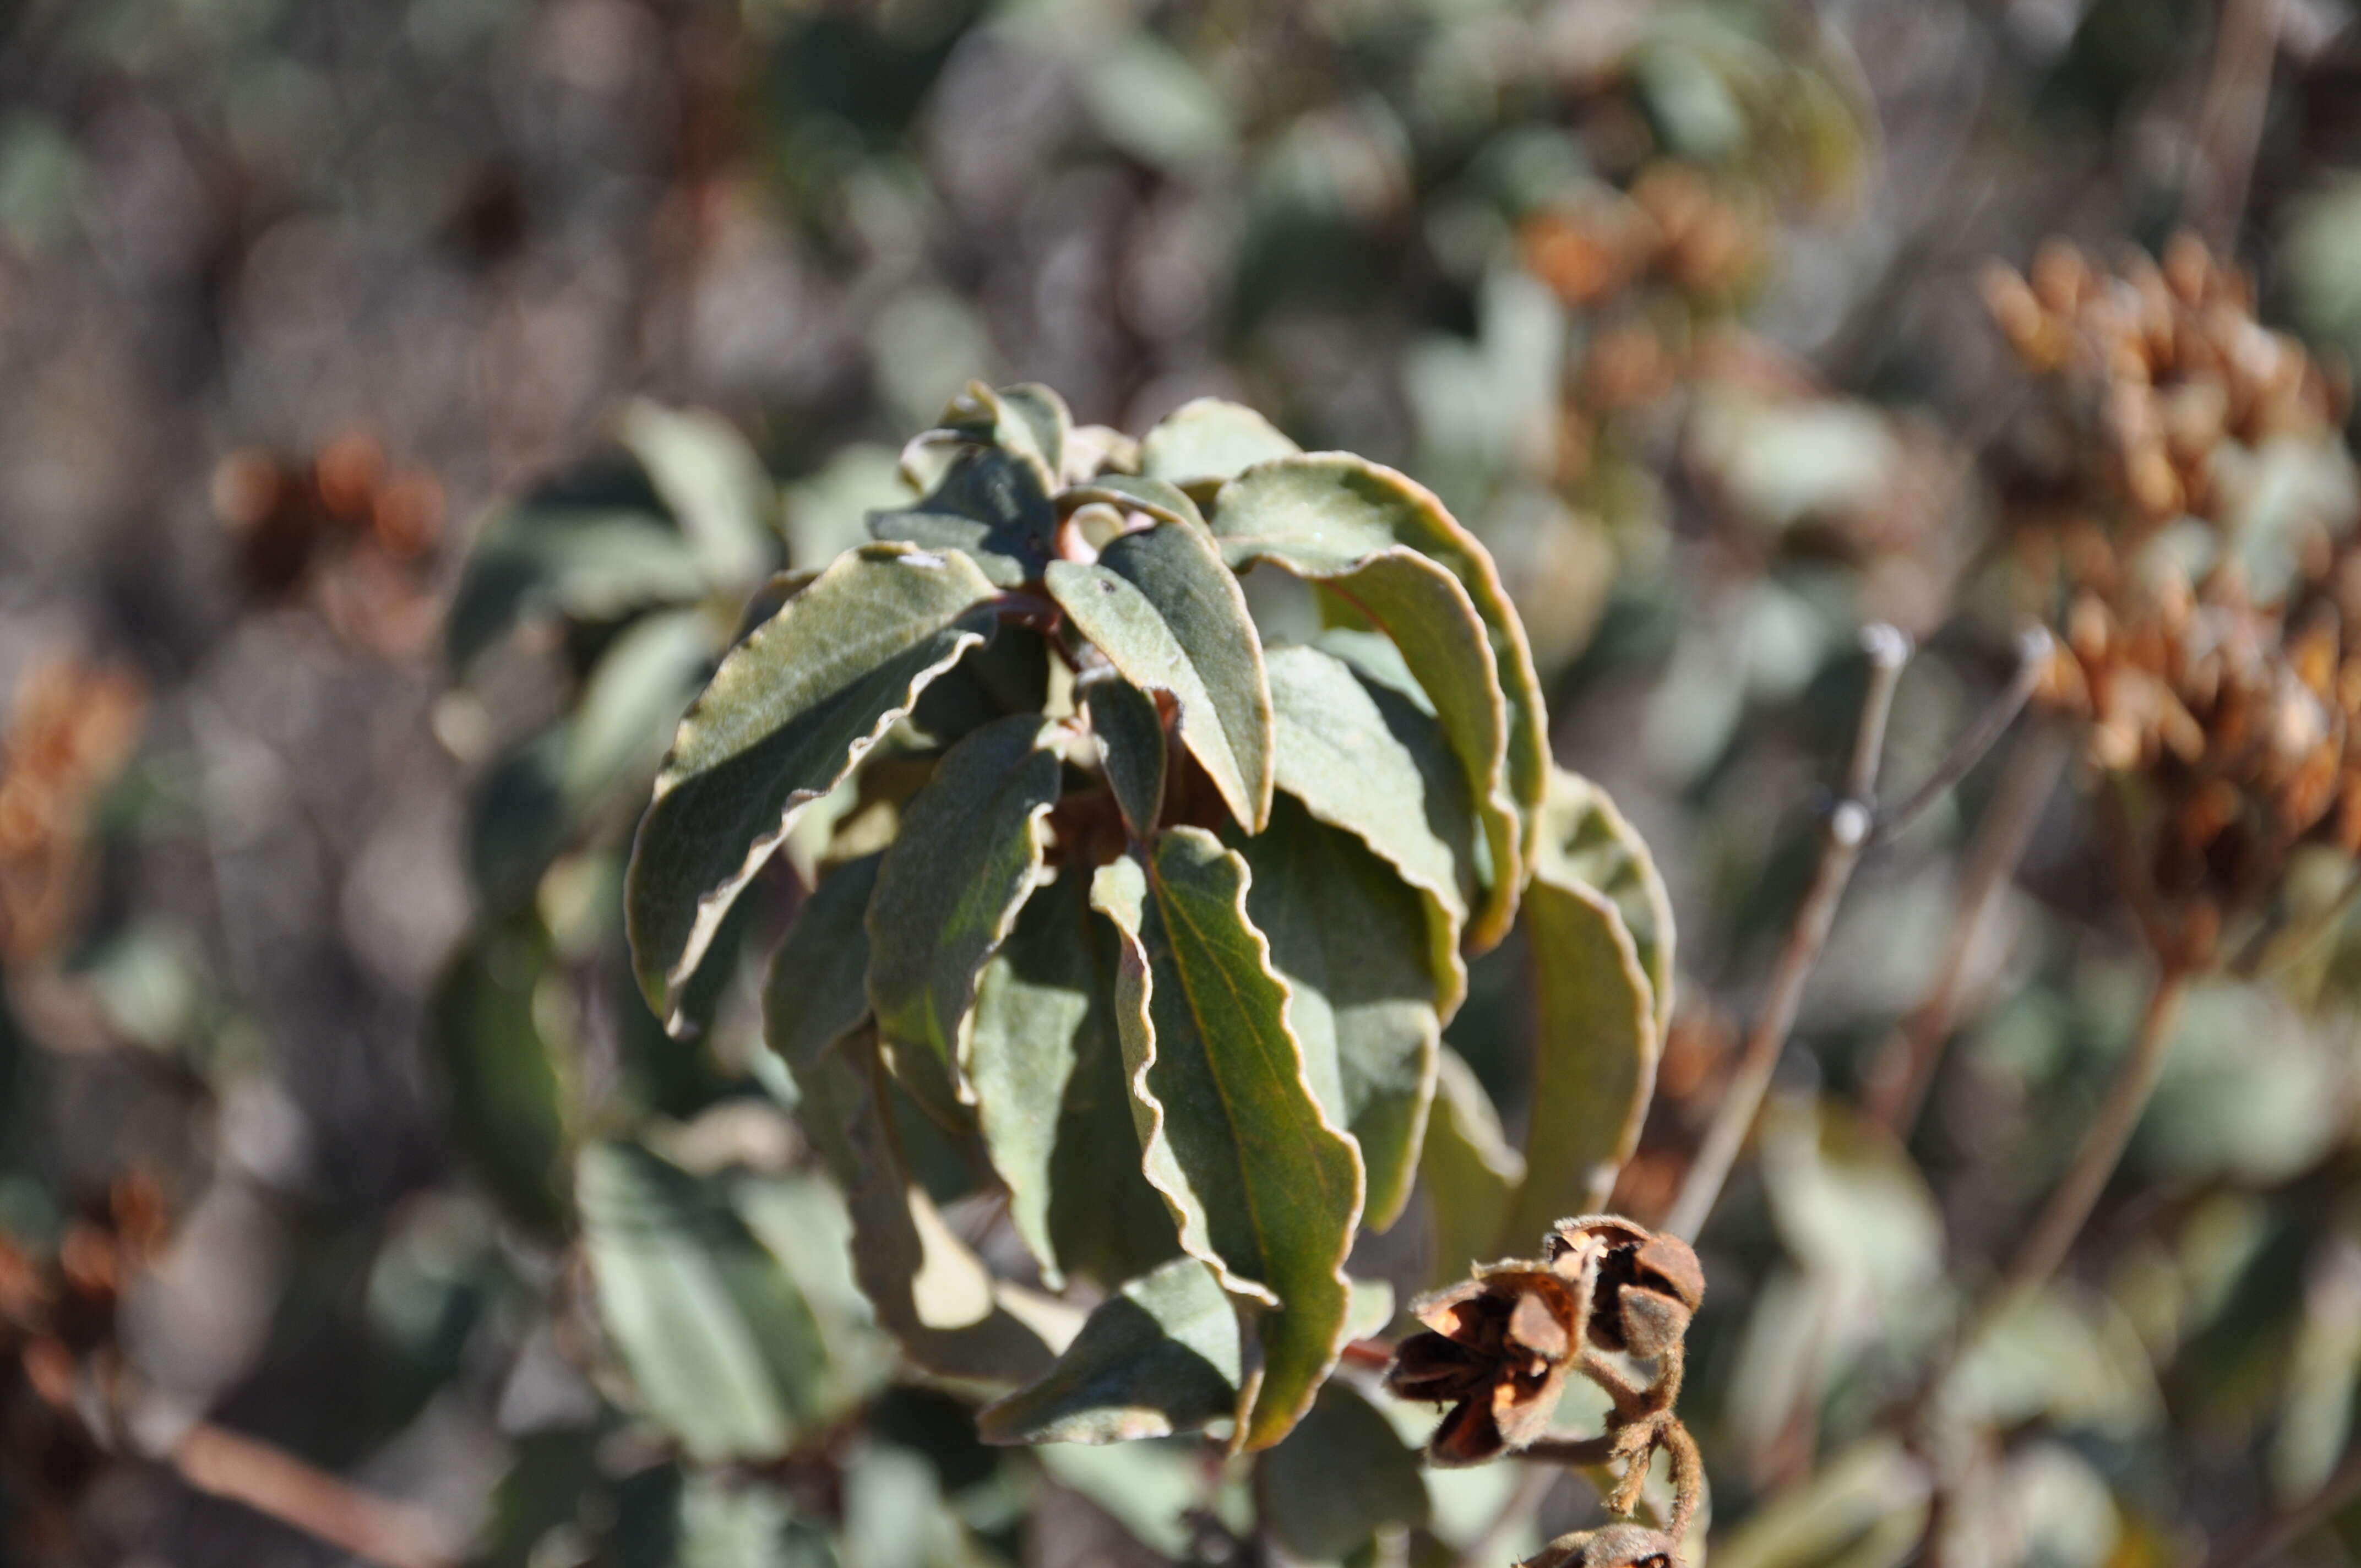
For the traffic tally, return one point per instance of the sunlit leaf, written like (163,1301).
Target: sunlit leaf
(1351,939)
(712,483)
(1160,1357)
(952,881)
(1157,498)
(788,713)
(1207,440)
(1583,838)
(1170,616)
(1264,1186)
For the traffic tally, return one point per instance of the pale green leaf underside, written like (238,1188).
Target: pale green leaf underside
(1162,607)
(1365,759)
(1207,440)
(724,1350)
(952,881)
(929,1290)
(1263,1185)
(1350,938)
(1584,840)
(1595,1048)
(1467,1170)
(816,990)
(1050,1096)
(1343,508)
(788,713)
(1160,1357)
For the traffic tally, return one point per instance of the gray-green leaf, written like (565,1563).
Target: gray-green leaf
(1338,1479)
(1207,440)
(991,504)
(788,713)
(818,988)
(1350,938)
(1264,1186)
(1467,1170)
(1160,1357)
(1170,616)
(1584,838)
(712,483)
(1129,729)
(952,882)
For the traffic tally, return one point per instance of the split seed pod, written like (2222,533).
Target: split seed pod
(1647,1287)
(1610,1546)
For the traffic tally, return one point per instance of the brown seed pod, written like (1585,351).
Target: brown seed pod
(1610,1546)
(1647,1287)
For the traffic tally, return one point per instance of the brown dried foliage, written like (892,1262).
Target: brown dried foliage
(70,729)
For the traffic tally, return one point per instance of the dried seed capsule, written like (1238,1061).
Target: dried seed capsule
(1610,1546)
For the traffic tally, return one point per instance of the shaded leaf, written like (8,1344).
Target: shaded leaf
(1351,939)
(1467,1170)
(723,1349)
(1029,421)
(1010,674)
(991,505)
(1050,1098)
(1341,1477)
(816,990)
(1595,1048)
(1264,1186)
(1129,730)
(787,714)
(930,1292)
(1334,508)
(729,1521)
(1584,838)
(1364,758)
(1170,616)
(501,1093)
(1160,1357)
(632,700)
(952,882)
(550,556)
(1205,441)
(712,483)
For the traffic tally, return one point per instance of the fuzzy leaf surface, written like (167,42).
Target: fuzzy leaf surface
(952,881)
(817,989)
(788,713)
(1160,1357)
(1158,498)
(1364,758)
(1469,1168)
(1050,1097)
(929,1290)
(1584,840)
(1595,1048)
(1264,1186)
(1350,938)
(1207,440)
(1128,730)
(989,504)
(1162,607)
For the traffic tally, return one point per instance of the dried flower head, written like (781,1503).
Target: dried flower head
(1646,1287)
(2184,507)
(1497,1350)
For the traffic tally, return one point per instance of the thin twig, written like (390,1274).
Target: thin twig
(2034,650)
(2292,1523)
(1843,837)
(2230,119)
(2103,1147)
(1905,1066)
(275,1483)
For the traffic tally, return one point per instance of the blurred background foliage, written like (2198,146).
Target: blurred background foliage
(402,396)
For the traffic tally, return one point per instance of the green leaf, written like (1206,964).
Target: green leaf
(929,1290)
(1129,729)
(730,1521)
(1351,939)
(1050,1098)
(989,504)
(1341,1477)
(1467,1170)
(1164,502)
(500,1088)
(633,697)
(1160,1357)
(1364,758)
(950,885)
(1335,509)
(1163,608)
(818,988)
(552,554)
(1266,1189)
(1595,1048)
(712,483)
(724,1349)
(1584,840)
(1010,674)
(1029,421)
(788,713)
(1205,441)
